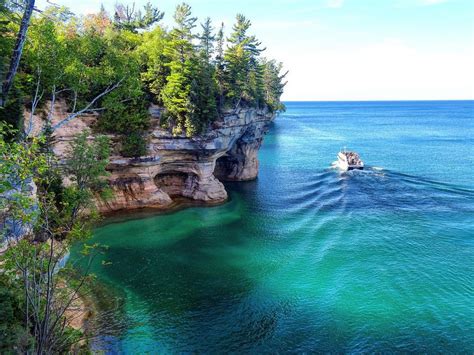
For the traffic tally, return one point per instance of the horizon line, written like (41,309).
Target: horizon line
(381,100)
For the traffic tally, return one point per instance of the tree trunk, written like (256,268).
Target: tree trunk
(17,51)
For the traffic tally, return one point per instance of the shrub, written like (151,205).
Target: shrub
(134,144)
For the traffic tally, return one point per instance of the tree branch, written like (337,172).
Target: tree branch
(88,108)
(17,51)
(36,100)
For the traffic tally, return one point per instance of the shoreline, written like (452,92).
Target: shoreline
(85,314)
(178,204)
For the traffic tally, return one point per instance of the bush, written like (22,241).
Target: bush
(133,144)
(12,113)
(13,337)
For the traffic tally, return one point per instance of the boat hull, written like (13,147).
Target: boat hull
(343,164)
(345,167)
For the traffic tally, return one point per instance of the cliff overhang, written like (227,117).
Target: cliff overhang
(177,168)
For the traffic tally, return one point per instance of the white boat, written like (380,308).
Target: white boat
(347,160)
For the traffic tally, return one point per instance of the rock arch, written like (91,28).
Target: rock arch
(177,183)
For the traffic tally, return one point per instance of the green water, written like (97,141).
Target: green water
(306,258)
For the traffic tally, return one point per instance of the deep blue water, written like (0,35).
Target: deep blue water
(307,258)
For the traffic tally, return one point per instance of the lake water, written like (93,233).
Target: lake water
(307,258)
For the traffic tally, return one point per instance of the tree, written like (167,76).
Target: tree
(5,37)
(274,84)
(127,18)
(117,67)
(98,23)
(17,50)
(202,105)
(176,93)
(220,68)
(87,161)
(207,38)
(153,61)
(13,337)
(181,37)
(241,60)
(81,69)
(203,88)
(32,263)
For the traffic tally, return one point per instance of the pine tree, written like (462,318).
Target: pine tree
(181,35)
(176,93)
(207,39)
(202,105)
(127,18)
(207,84)
(241,59)
(153,61)
(219,65)
(273,84)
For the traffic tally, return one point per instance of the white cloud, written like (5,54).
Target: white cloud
(335,4)
(388,70)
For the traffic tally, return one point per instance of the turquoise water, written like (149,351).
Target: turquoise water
(307,258)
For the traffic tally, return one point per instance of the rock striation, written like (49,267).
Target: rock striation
(180,168)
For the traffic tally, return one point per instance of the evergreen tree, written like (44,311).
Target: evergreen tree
(181,36)
(241,60)
(219,65)
(127,18)
(176,93)
(193,77)
(207,39)
(207,89)
(153,60)
(273,84)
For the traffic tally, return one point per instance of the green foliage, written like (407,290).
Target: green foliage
(207,38)
(121,115)
(12,113)
(36,285)
(134,144)
(153,62)
(13,337)
(219,75)
(87,161)
(127,18)
(243,70)
(273,84)
(46,57)
(19,160)
(6,37)
(193,76)
(176,93)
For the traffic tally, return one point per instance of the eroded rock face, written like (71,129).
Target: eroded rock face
(240,163)
(180,167)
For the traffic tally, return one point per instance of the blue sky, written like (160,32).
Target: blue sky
(352,49)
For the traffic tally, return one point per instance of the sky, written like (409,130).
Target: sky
(350,49)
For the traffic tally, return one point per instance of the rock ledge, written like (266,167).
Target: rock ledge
(180,167)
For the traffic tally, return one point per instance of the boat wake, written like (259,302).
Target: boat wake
(331,195)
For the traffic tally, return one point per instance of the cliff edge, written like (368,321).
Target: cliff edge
(178,167)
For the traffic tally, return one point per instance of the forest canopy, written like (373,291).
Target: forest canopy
(193,70)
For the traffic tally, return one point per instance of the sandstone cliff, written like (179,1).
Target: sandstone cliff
(179,167)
